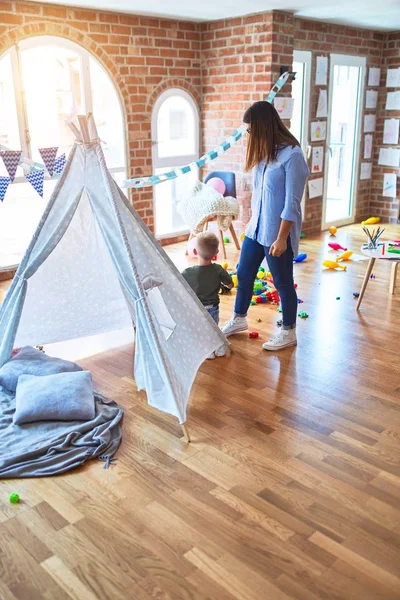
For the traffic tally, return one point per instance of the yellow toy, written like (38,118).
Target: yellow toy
(224,265)
(331,264)
(235,280)
(332,230)
(371,221)
(260,274)
(345,255)
(242,236)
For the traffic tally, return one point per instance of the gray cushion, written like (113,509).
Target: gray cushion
(60,397)
(30,361)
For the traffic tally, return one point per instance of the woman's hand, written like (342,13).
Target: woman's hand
(278,247)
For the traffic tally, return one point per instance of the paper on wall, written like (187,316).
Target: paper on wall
(318,131)
(389,185)
(374,76)
(369,123)
(389,157)
(391,131)
(317,162)
(284,107)
(368,145)
(393,101)
(366,170)
(315,187)
(322,108)
(371,99)
(393,77)
(321,73)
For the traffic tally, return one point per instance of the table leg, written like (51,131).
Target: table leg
(366,279)
(393,276)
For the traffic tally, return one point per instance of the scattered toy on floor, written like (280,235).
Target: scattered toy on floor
(302,235)
(332,230)
(299,301)
(14,498)
(331,264)
(371,221)
(303,315)
(253,335)
(373,276)
(279,323)
(258,320)
(336,246)
(345,256)
(300,257)
(226,240)
(242,236)
(224,265)
(356,294)
(337,297)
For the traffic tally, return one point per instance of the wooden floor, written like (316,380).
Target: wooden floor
(289,490)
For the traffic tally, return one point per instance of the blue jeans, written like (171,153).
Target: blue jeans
(281,268)
(213,311)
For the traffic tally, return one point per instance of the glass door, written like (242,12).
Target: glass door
(344,126)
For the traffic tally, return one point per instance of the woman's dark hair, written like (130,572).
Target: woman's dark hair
(267,133)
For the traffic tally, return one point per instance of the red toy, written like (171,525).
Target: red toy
(253,335)
(336,247)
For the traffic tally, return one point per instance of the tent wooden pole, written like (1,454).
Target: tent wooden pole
(185,433)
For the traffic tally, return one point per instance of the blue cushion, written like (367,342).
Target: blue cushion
(60,397)
(30,361)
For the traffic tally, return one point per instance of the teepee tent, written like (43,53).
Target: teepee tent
(93,267)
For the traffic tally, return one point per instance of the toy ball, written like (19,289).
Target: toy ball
(332,230)
(253,335)
(226,240)
(258,285)
(260,275)
(261,269)
(242,236)
(224,265)
(14,498)
(218,184)
(191,247)
(215,257)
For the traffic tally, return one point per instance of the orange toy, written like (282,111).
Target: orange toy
(332,230)
(331,264)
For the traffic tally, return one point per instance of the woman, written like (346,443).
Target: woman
(280,173)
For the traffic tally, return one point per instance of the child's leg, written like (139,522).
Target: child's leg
(213,311)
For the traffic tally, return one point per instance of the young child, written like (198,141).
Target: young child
(207,278)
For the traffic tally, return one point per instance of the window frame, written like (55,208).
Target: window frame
(166,162)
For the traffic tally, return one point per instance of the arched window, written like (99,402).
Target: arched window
(44,81)
(175,135)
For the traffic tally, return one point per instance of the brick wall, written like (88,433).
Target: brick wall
(143,56)
(240,62)
(323,39)
(387,208)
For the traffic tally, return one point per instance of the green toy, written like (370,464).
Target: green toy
(302,235)
(226,240)
(14,498)
(303,315)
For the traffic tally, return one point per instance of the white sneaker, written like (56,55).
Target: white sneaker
(285,338)
(221,351)
(235,325)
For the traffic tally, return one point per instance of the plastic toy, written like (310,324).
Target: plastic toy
(332,230)
(356,294)
(253,335)
(14,498)
(303,315)
(302,235)
(218,184)
(345,255)
(261,269)
(260,275)
(331,264)
(242,236)
(224,265)
(214,258)
(235,280)
(279,323)
(371,221)
(337,297)
(300,257)
(226,240)
(336,246)
(191,247)
(258,320)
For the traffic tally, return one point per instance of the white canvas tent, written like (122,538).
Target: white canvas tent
(93,267)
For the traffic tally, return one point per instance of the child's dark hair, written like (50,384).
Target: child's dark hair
(207,245)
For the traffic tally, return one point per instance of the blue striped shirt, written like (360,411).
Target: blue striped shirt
(277,194)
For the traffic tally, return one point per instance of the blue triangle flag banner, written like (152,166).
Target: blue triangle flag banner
(49,156)
(36,179)
(4,183)
(59,164)
(11,161)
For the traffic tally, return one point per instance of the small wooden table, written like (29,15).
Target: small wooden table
(374,255)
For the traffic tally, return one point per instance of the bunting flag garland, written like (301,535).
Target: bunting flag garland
(49,156)
(59,164)
(11,161)
(141,182)
(36,179)
(4,183)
